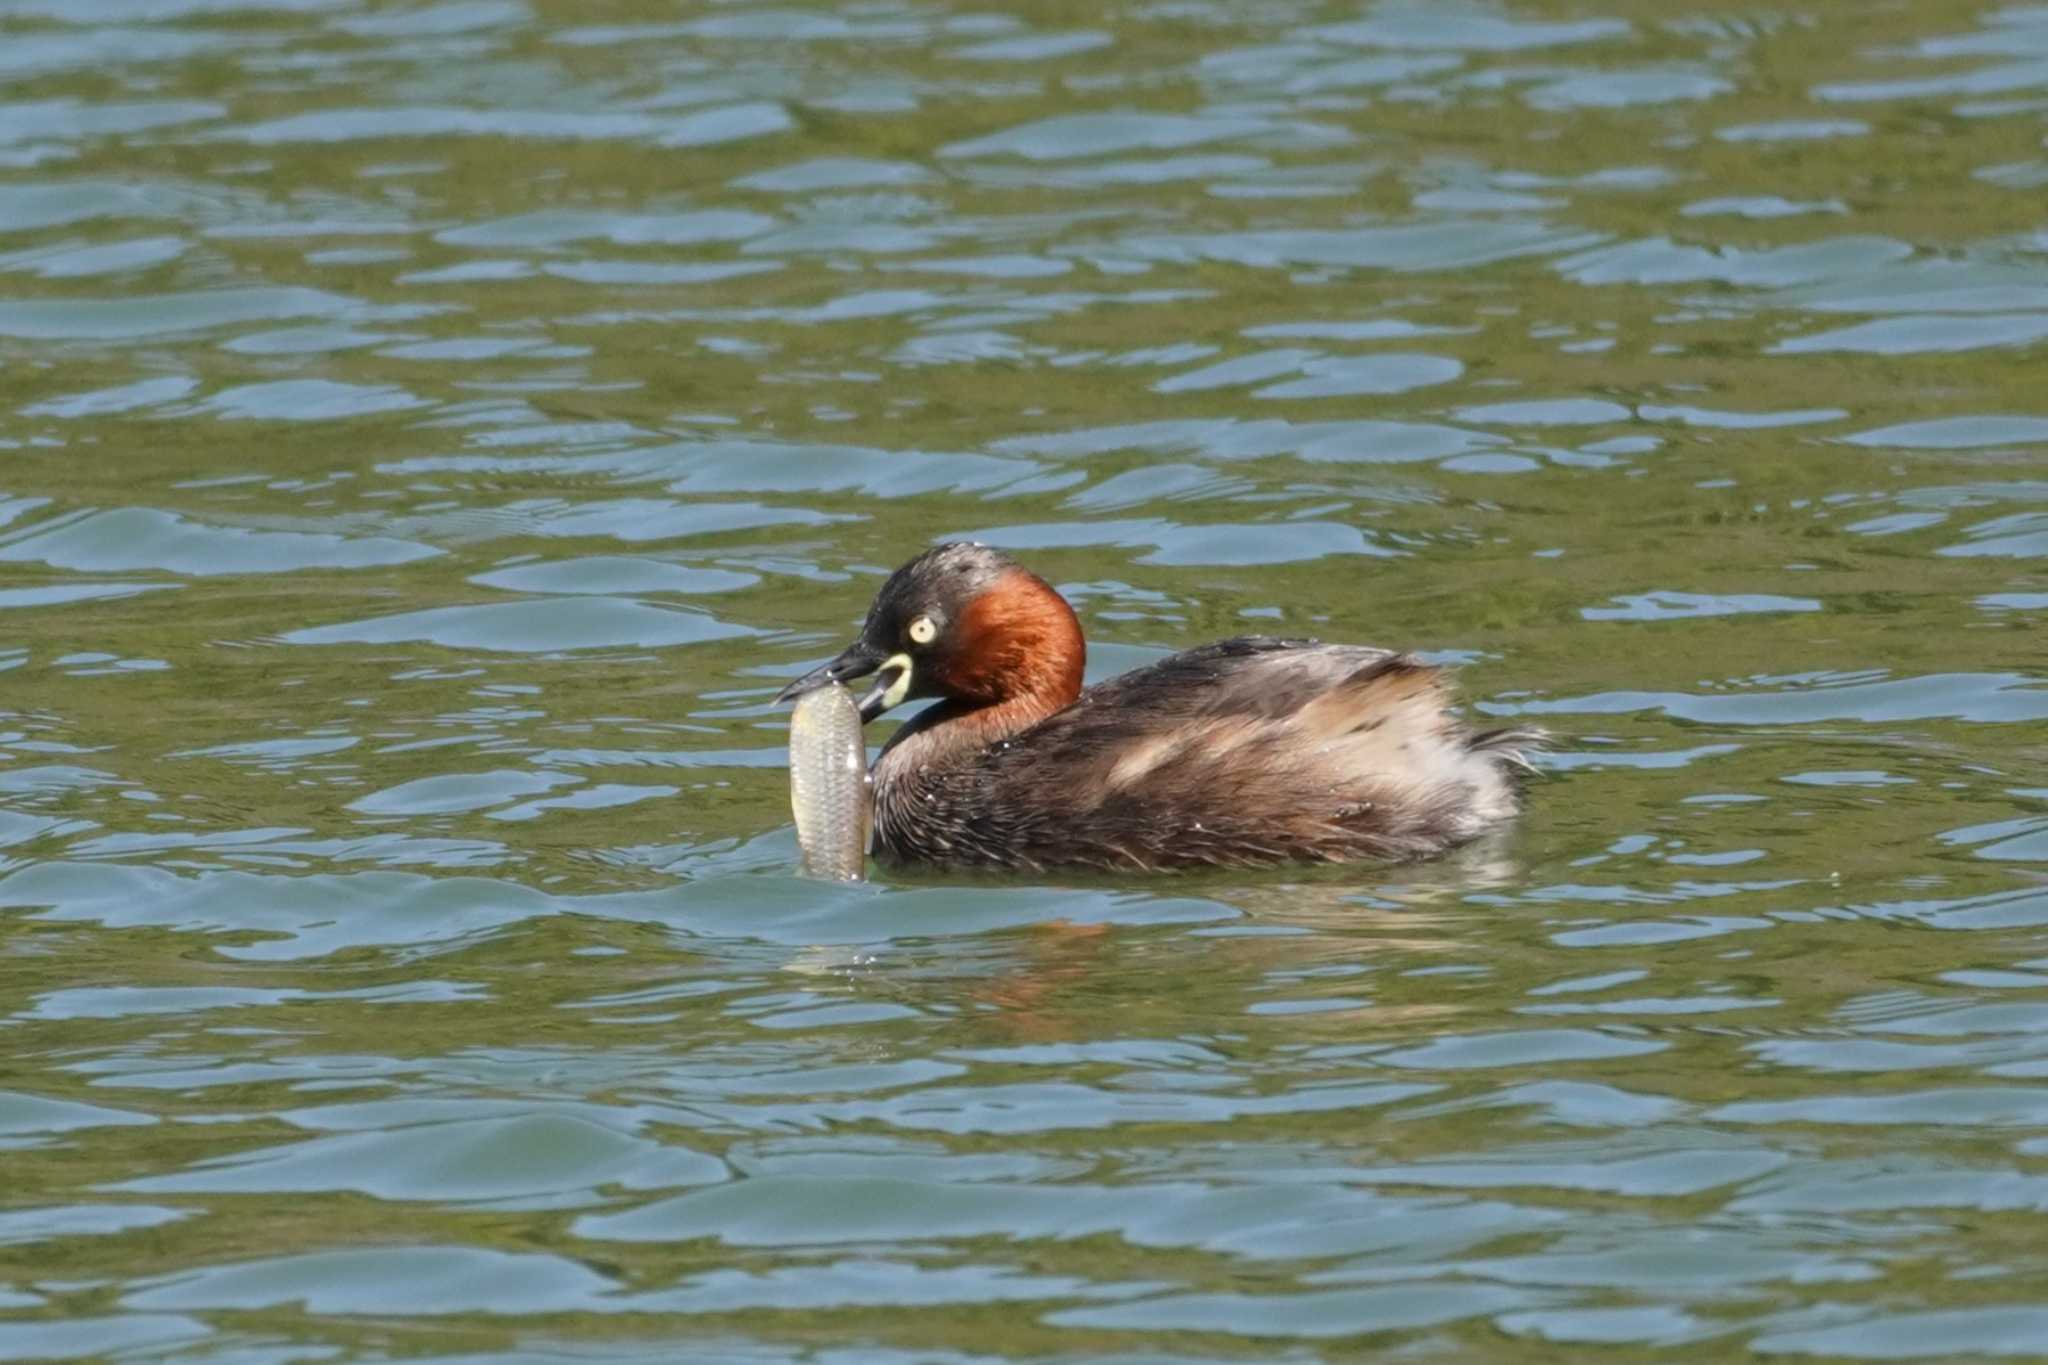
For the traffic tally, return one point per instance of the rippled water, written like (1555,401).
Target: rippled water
(429,433)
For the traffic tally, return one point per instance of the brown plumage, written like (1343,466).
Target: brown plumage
(1248,751)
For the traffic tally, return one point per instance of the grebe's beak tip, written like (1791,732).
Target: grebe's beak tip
(857,660)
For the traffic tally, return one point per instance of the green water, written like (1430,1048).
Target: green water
(430,433)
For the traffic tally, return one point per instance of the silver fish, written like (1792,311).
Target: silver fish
(828,784)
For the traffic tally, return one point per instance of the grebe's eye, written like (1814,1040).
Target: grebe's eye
(923,630)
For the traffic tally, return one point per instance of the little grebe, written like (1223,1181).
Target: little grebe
(1250,750)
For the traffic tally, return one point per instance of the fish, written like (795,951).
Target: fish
(829,788)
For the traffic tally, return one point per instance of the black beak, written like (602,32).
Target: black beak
(857,660)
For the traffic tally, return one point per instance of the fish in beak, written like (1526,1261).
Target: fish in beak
(860,659)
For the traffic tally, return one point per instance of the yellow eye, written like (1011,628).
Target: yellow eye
(923,630)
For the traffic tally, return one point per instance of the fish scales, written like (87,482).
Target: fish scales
(828,784)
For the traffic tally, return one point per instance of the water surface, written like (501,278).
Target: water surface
(431,432)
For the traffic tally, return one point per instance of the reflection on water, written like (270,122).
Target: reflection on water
(430,433)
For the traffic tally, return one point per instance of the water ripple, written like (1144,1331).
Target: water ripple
(432,431)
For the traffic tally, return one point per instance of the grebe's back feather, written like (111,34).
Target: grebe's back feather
(1246,751)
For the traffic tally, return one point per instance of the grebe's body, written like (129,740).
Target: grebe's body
(1247,751)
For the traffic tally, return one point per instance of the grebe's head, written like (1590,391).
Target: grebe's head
(965,622)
